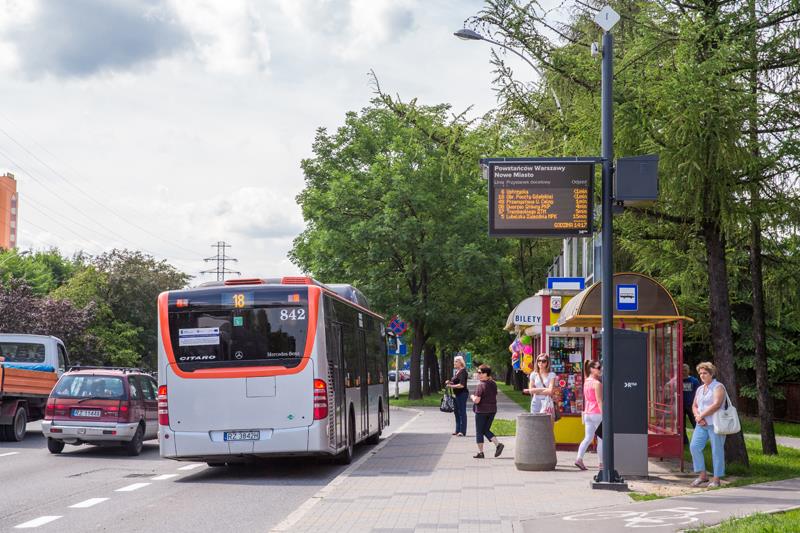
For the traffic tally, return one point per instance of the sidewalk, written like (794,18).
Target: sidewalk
(678,513)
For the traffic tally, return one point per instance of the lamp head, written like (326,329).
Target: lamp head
(468,35)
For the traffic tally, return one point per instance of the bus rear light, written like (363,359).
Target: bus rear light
(163,408)
(244,281)
(296,280)
(182,302)
(320,399)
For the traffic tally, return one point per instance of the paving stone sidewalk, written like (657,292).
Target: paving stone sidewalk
(424,479)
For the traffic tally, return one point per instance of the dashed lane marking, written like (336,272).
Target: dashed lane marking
(162,477)
(8,453)
(91,502)
(192,466)
(134,486)
(36,522)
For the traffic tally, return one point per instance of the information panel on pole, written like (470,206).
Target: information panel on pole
(540,198)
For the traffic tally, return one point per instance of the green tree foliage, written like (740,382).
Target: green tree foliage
(402,215)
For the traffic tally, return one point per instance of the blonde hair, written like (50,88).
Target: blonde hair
(708,367)
(461,360)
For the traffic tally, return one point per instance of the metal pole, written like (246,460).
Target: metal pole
(608,474)
(397,371)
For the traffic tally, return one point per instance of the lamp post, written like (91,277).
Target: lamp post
(21,254)
(471,35)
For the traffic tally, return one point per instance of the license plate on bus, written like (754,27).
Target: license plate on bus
(242,435)
(86,412)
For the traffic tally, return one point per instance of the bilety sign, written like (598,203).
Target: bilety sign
(539,198)
(529,312)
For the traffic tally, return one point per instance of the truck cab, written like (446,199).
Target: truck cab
(30,365)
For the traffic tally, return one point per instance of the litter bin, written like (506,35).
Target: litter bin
(535,447)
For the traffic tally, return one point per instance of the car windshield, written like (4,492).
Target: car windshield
(22,352)
(97,387)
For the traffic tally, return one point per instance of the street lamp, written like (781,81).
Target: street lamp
(21,254)
(471,35)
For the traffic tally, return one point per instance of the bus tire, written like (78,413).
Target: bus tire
(55,446)
(346,456)
(376,438)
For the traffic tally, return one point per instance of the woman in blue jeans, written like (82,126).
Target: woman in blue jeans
(460,392)
(707,401)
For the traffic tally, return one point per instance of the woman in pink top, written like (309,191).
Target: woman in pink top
(592,410)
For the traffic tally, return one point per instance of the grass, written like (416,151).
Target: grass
(644,496)
(504,428)
(520,399)
(782,429)
(432,400)
(788,522)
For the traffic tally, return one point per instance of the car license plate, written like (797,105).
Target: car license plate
(86,412)
(242,435)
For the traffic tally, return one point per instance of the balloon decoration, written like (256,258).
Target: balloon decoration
(522,354)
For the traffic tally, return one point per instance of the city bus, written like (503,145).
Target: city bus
(269,367)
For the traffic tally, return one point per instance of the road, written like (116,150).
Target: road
(101,489)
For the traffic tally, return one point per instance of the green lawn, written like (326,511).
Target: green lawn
(644,496)
(504,428)
(782,429)
(432,400)
(523,400)
(763,468)
(788,522)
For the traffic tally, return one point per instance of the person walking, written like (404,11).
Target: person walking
(707,401)
(485,407)
(690,386)
(592,410)
(460,394)
(541,385)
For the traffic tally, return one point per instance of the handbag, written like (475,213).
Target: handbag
(448,405)
(726,419)
(549,407)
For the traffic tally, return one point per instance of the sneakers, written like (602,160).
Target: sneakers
(479,455)
(700,481)
(580,465)
(713,485)
(499,449)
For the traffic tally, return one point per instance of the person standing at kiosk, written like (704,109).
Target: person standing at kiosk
(541,385)
(593,410)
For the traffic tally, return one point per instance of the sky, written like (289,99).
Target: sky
(168,125)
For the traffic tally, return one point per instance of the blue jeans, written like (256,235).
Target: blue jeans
(460,400)
(701,435)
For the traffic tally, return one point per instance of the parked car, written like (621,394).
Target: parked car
(102,406)
(29,367)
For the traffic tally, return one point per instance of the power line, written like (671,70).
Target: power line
(86,194)
(221,258)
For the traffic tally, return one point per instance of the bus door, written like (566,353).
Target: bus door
(335,361)
(364,388)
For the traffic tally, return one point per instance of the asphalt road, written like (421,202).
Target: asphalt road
(101,489)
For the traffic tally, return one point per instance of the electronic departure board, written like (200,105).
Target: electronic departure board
(540,198)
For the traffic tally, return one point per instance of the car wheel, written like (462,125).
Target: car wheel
(134,446)
(17,432)
(55,446)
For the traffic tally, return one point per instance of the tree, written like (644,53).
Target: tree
(402,216)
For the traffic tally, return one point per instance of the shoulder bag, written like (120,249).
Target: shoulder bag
(726,419)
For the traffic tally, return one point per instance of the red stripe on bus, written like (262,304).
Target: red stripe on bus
(240,372)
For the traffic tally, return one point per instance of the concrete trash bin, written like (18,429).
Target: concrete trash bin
(535,447)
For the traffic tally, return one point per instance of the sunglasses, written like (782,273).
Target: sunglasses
(543,361)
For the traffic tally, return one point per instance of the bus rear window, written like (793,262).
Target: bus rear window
(249,332)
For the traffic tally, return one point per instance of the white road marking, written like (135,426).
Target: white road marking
(134,486)
(36,522)
(162,477)
(88,503)
(8,453)
(192,466)
(288,523)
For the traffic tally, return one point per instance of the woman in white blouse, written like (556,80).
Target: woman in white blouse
(707,401)
(541,383)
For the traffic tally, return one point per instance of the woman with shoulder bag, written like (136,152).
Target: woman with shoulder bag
(485,407)
(541,385)
(459,386)
(707,400)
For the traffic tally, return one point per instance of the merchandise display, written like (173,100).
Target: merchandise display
(566,360)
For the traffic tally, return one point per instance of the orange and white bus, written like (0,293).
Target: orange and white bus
(269,367)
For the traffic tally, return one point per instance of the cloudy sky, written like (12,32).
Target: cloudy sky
(167,125)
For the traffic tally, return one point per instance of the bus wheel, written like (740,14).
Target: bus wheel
(346,457)
(376,438)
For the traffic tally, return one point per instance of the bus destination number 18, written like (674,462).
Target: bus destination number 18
(293,314)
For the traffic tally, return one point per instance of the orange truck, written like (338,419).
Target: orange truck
(30,365)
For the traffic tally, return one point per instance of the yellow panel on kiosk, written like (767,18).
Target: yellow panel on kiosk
(555,309)
(569,430)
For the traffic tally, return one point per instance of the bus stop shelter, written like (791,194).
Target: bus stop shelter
(643,304)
